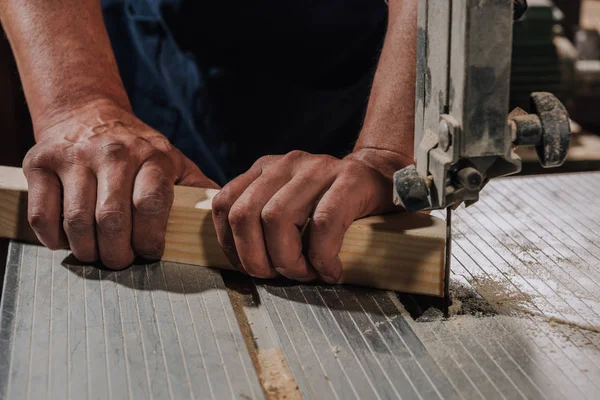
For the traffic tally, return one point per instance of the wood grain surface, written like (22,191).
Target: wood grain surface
(402,252)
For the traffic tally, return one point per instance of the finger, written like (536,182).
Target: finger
(113,215)
(246,224)
(192,176)
(44,208)
(221,207)
(335,212)
(79,205)
(152,201)
(283,218)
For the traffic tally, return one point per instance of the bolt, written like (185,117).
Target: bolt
(529,130)
(470,178)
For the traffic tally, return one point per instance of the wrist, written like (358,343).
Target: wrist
(384,161)
(89,112)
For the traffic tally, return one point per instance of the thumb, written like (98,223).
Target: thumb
(192,176)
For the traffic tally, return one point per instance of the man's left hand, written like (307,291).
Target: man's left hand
(259,215)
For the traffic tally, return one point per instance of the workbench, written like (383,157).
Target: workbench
(526,299)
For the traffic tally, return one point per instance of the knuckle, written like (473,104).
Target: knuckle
(78,221)
(222,203)
(239,216)
(155,203)
(38,220)
(114,151)
(111,222)
(34,159)
(263,160)
(296,154)
(324,220)
(161,143)
(324,162)
(147,151)
(158,159)
(352,168)
(273,214)
(41,224)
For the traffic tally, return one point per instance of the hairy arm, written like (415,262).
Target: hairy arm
(64,56)
(388,129)
(100,180)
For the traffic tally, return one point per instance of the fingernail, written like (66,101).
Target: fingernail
(330,279)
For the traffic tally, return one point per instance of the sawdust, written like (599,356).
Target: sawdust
(560,321)
(430,315)
(507,300)
(502,297)
(486,297)
(483,297)
(466,300)
(276,376)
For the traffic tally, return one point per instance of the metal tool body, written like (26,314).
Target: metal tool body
(464,135)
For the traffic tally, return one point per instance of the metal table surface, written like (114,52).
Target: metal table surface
(526,290)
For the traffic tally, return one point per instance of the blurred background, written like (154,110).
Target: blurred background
(556,48)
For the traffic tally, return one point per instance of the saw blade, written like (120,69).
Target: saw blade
(447,260)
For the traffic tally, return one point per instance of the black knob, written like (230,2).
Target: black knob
(556,129)
(547,128)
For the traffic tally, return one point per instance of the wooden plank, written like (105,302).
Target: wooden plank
(402,252)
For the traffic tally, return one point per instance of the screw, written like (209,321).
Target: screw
(470,178)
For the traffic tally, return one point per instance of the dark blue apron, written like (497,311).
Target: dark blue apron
(225,118)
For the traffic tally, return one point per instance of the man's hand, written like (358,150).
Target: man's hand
(259,215)
(101,182)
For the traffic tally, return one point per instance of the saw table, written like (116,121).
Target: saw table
(526,323)
(524,282)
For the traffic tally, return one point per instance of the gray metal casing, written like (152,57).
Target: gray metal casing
(463,78)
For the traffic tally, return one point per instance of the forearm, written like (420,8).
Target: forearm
(64,56)
(389,122)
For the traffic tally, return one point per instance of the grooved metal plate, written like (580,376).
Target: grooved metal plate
(525,272)
(531,249)
(160,331)
(526,266)
(345,343)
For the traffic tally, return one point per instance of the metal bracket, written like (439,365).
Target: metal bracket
(463,136)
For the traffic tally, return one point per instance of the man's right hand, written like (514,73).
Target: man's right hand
(101,182)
